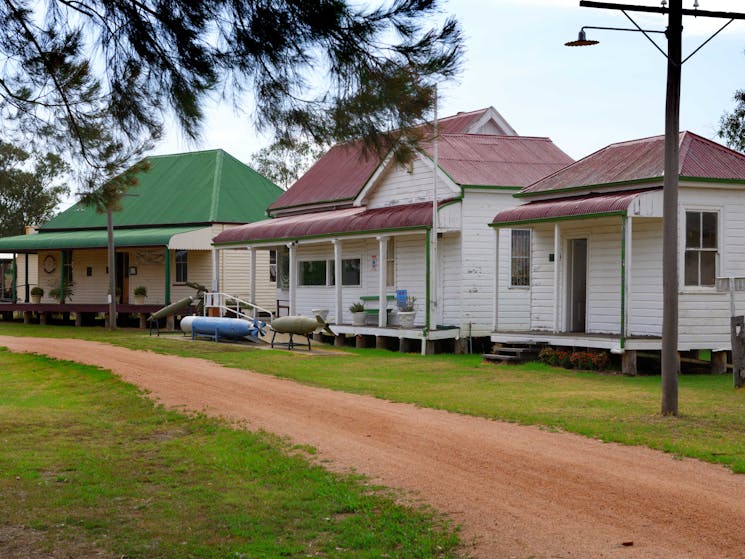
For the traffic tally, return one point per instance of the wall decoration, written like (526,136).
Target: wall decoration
(144,257)
(50,264)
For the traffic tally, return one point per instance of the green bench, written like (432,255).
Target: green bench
(372,306)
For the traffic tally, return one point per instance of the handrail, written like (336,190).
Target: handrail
(233,304)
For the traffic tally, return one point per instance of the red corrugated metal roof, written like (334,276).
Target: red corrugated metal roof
(580,206)
(460,123)
(469,159)
(488,160)
(343,171)
(643,159)
(338,176)
(347,220)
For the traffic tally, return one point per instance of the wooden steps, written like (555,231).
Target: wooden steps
(512,354)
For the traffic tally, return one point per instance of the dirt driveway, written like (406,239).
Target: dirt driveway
(517,491)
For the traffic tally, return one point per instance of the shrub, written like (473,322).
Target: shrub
(37,291)
(141,290)
(600,361)
(564,358)
(547,355)
(582,360)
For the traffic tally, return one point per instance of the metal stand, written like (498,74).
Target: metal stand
(290,344)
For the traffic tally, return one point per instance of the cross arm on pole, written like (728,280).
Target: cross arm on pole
(655,10)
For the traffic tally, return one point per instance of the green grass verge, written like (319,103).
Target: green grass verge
(711,425)
(88,467)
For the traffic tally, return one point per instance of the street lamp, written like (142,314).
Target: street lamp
(583,41)
(669,353)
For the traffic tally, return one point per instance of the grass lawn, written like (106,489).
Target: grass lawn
(711,425)
(88,467)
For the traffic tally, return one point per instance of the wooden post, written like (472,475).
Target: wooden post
(628,363)
(738,350)
(718,362)
(670,213)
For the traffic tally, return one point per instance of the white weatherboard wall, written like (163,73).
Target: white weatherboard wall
(645,289)
(324,297)
(479,257)
(541,297)
(603,274)
(235,276)
(704,315)
(450,273)
(411,271)
(397,185)
(514,302)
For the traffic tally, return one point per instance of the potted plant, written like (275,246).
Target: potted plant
(358,314)
(61,292)
(407,313)
(36,294)
(140,294)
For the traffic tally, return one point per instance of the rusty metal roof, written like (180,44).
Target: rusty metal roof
(643,160)
(469,159)
(337,177)
(488,160)
(332,222)
(345,169)
(562,208)
(459,123)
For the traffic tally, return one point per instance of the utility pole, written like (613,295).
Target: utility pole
(670,274)
(669,358)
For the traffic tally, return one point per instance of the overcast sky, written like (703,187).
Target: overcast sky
(583,98)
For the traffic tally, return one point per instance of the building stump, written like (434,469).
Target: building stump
(628,363)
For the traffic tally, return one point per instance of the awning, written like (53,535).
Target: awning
(593,205)
(152,236)
(334,222)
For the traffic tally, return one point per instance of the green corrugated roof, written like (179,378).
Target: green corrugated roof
(200,187)
(151,236)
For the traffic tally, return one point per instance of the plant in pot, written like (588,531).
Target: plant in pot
(140,294)
(407,313)
(358,314)
(36,294)
(61,292)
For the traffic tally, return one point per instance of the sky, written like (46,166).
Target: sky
(583,98)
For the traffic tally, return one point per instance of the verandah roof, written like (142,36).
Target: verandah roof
(334,222)
(597,205)
(96,238)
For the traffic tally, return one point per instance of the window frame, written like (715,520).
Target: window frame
(390,263)
(527,258)
(301,272)
(181,266)
(272,266)
(700,249)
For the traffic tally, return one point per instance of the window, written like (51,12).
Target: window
(520,258)
(350,271)
(273,266)
(701,248)
(390,264)
(312,272)
(283,268)
(67,268)
(181,266)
